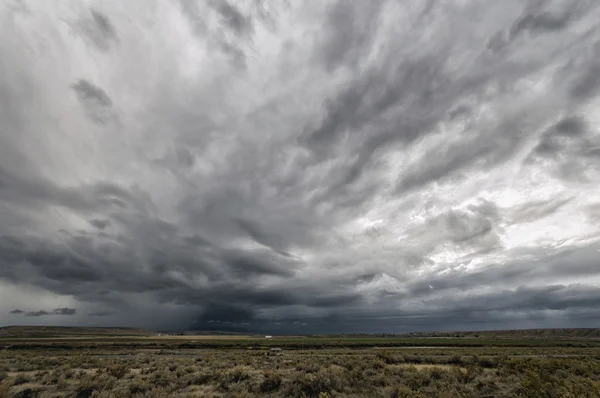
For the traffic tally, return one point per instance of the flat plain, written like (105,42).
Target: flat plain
(62,363)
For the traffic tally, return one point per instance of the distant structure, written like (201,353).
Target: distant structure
(268,337)
(276,351)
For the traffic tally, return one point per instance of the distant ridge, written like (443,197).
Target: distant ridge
(208,333)
(564,333)
(69,331)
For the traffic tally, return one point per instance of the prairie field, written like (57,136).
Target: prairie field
(245,366)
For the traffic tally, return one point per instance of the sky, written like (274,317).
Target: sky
(300,166)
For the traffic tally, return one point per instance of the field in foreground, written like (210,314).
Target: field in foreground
(150,367)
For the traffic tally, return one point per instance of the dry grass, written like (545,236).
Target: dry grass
(474,372)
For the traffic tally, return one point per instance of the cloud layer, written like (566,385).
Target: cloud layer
(57,311)
(301,166)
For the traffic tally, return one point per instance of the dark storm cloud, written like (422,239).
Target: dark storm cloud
(17,311)
(400,101)
(40,192)
(541,22)
(368,98)
(560,135)
(322,167)
(57,311)
(100,224)
(64,311)
(570,126)
(96,103)
(259,262)
(37,313)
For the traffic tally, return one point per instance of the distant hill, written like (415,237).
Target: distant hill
(68,331)
(567,333)
(206,333)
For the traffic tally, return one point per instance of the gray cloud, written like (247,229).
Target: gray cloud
(224,26)
(100,224)
(99,30)
(64,311)
(37,313)
(17,311)
(96,103)
(232,17)
(351,27)
(329,166)
(572,148)
(57,311)
(101,313)
(541,22)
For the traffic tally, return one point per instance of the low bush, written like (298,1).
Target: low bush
(271,382)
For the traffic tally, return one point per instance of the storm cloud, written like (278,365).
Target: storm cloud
(300,167)
(57,311)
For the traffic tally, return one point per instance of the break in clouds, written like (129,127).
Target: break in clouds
(300,166)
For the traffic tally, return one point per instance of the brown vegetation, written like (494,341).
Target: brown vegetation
(412,372)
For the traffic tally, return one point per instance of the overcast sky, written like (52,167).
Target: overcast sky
(300,166)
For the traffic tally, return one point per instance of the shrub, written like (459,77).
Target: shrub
(436,373)
(326,380)
(118,371)
(139,387)
(485,363)
(405,392)
(532,386)
(84,391)
(26,393)
(237,374)
(161,377)
(20,379)
(203,377)
(455,360)
(271,383)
